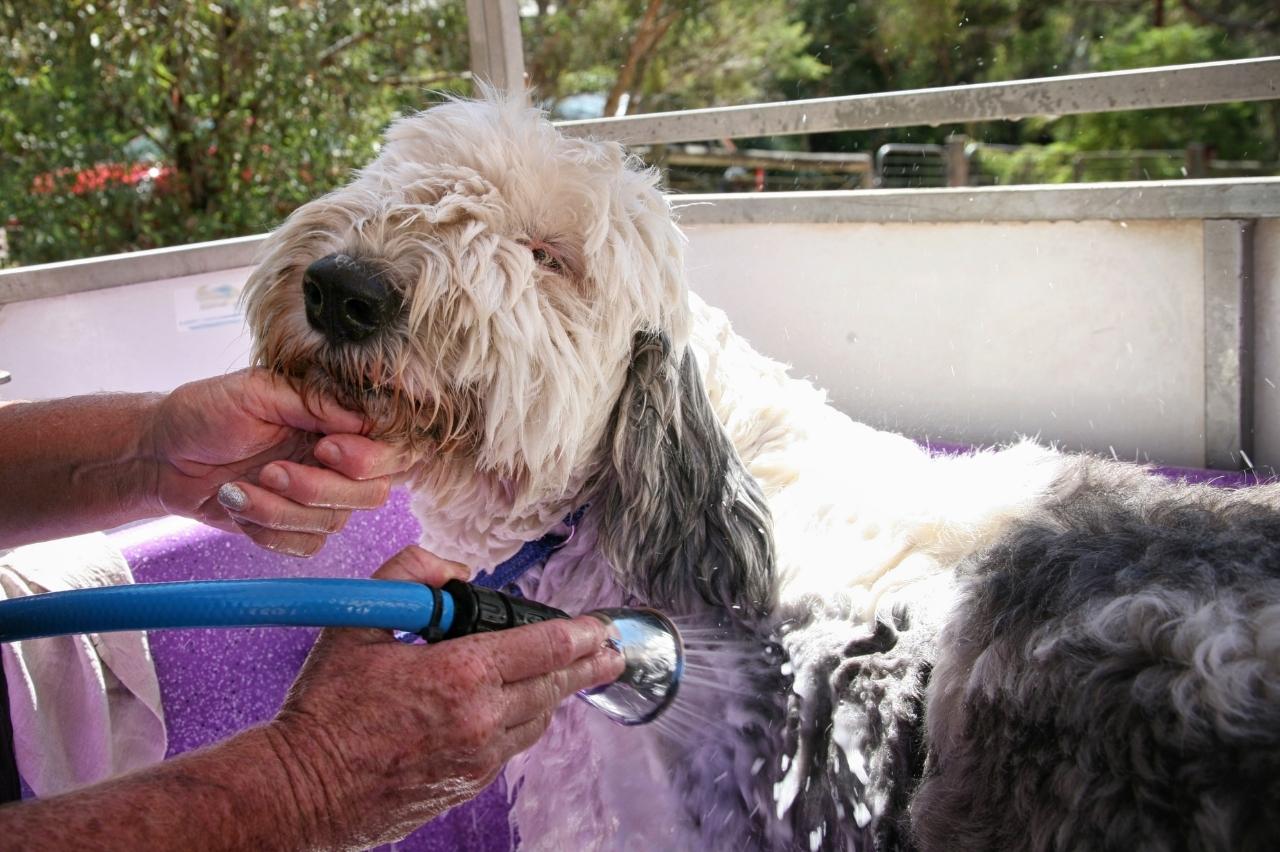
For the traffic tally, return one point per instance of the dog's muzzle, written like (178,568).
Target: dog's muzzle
(348,300)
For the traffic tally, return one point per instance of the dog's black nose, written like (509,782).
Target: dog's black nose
(348,300)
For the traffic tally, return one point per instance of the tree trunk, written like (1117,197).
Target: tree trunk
(653,25)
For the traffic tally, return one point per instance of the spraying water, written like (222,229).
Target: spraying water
(724,665)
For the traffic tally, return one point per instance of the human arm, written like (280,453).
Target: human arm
(74,465)
(375,738)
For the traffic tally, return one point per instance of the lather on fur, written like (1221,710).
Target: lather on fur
(890,650)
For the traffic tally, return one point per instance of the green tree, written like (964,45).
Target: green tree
(652,55)
(901,44)
(139,124)
(242,110)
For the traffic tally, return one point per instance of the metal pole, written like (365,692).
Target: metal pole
(1228,343)
(957,160)
(497,52)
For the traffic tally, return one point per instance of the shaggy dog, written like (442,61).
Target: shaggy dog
(888,650)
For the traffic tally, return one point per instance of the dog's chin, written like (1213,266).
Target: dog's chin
(420,423)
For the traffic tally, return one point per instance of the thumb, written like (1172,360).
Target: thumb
(420,566)
(272,399)
(412,564)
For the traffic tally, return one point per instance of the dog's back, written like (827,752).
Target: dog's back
(1111,679)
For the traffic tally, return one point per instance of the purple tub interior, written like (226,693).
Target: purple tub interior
(217,682)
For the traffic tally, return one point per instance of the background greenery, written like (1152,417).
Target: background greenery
(128,124)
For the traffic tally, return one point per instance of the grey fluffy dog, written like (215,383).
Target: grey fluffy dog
(887,649)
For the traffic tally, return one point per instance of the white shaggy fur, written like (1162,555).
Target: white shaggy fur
(519,382)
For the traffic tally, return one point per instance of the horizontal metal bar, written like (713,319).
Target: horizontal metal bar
(1243,198)
(780,160)
(1230,198)
(116,270)
(1109,91)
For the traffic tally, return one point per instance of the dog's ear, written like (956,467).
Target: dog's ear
(681,518)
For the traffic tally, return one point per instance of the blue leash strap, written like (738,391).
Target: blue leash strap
(530,555)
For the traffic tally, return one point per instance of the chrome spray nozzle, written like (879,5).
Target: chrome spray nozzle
(649,643)
(654,654)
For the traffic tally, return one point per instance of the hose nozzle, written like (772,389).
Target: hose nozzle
(654,654)
(649,643)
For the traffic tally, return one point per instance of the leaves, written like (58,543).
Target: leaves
(249,109)
(901,44)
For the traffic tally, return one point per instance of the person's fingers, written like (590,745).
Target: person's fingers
(248,503)
(316,486)
(522,736)
(358,457)
(220,521)
(421,566)
(283,541)
(536,649)
(270,398)
(532,697)
(412,564)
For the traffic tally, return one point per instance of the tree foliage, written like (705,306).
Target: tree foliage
(129,124)
(901,44)
(243,109)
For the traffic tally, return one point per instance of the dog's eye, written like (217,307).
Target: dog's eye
(545,258)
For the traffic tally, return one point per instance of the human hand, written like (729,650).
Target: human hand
(248,440)
(382,736)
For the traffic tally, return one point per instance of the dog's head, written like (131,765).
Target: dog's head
(509,304)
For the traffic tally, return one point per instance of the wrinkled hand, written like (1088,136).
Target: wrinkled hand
(249,436)
(383,736)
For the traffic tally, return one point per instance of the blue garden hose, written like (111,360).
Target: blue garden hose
(455,610)
(649,642)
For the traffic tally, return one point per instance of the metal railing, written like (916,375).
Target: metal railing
(1109,91)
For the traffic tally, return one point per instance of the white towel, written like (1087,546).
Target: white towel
(84,708)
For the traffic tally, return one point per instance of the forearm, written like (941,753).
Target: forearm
(75,465)
(246,793)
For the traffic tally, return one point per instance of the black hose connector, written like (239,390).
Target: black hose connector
(481,610)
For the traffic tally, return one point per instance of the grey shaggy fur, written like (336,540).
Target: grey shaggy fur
(688,530)
(1111,679)
(682,522)
(870,683)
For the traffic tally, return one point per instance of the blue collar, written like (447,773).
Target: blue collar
(531,554)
